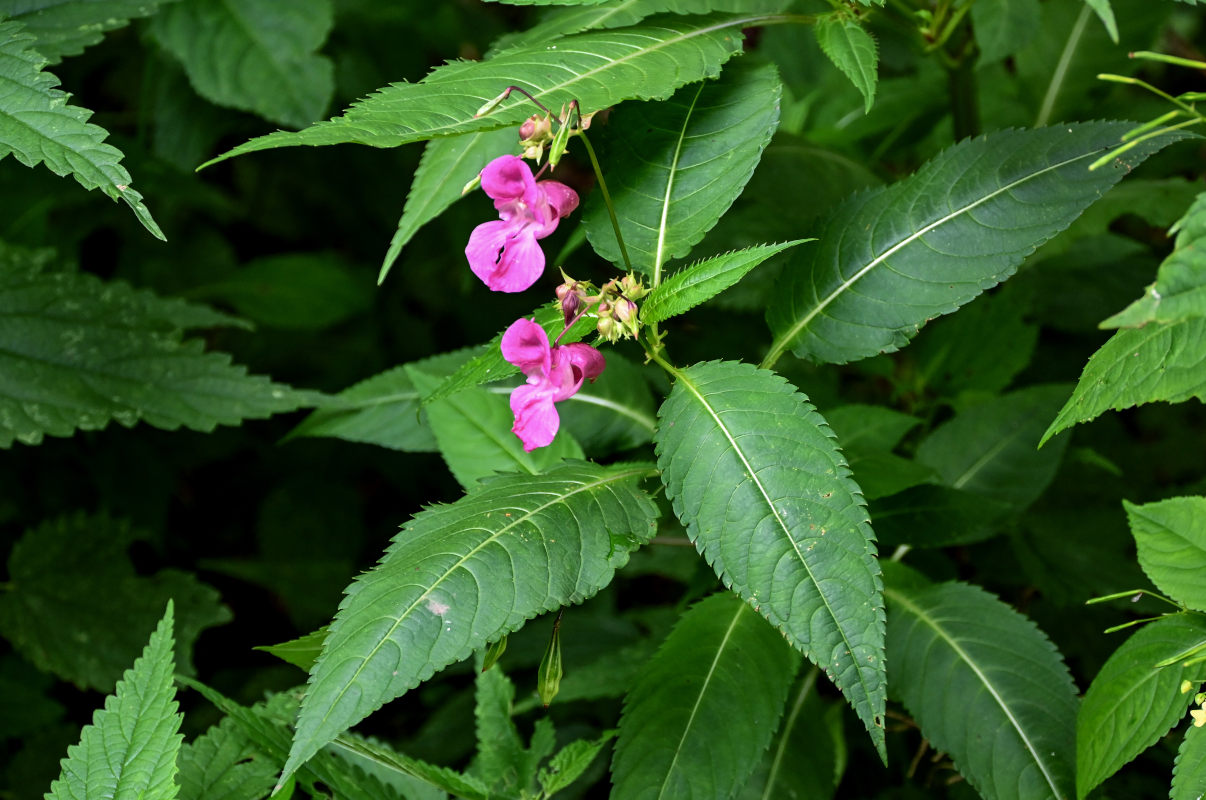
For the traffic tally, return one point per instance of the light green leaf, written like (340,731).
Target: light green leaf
(1171,537)
(66,28)
(130,748)
(936,240)
(1144,365)
(616,412)
(473,430)
(704,280)
(789,532)
(1189,771)
(990,449)
(78,353)
(853,51)
(447,165)
(987,687)
(673,168)
(461,575)
(300,652)
(37,126)
(1003,27)
(704,709)
(1130,703)
(648,61)
(255,55)
(1179,292)
(1106,14)
(76,607)
(221,764)
(571,761)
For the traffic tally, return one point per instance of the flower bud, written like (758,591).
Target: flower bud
(625,310)
(607,328)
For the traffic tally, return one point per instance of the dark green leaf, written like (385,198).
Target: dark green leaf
(853,51)
(1189,772)
(571,761)
(869,427)
(1004,26)
(788,532)
(222,765)
(419,778)
(66,28)
(1171,536)
(936,516)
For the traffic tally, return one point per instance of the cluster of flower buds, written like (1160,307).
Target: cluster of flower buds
(536,134)
(614,305)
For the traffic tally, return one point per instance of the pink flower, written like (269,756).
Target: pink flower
(505,254)
(554,374)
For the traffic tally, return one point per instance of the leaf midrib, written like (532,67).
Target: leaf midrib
(659,256)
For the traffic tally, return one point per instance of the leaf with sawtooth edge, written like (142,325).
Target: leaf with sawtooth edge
(647,61)
(37,126)
(222,765)
(66,28)
(1171,538)
(461,575)
(757,478)
(986,686)
(852,50)
(890,260)
(674,167)
(704,709)
(1189,770)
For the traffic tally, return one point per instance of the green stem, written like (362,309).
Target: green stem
(611,210)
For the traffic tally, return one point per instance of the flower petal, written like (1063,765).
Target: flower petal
(561,197)
(507,179)
(526,345)
(485,243)
(519,266)
(536,419)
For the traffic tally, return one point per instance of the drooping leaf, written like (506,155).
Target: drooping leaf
(1131,703)
(464,574)
(256,55)
(674,167)
(37,126)
(1139,365)
(936,516)
(648,61)
(78,353)
(300,652)
(129,749)
(1004,27)
(571,761)
(1189,771)
(71,582)
(705,279)
(987,687)
(1105,13)
(616,412)
(934,241)
(448,164)
(1171,537)
(853,51)
(221,764)
(65,29)
(756,476)
(389,764)
(704,709)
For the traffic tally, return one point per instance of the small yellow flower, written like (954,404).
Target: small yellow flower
(1199,717)
(1186,687)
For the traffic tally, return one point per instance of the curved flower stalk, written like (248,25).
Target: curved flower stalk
(555,373)
(505,254)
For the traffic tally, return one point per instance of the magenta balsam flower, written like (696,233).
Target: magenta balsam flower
(554,373)
(505,254)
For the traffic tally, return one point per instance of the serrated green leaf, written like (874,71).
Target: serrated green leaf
(789,532)
(1105,13)
(853,51)
(1171,537)
(300,652)
(473,431)
(616,412)
(1179,292)
(1003,27)
(1130,703)
(461,575)
(932,242)
(990,449)
(221,764)
(389,762)
(503,763)
(705,707)
(705,279)
(66,28)
(447,165)
(648,61)
(71,584)
(1189,771)
(37,126)
(987,687)
(78,353)
(571,761)
(130,748)
(1145,365)
(674,167)
(256,55)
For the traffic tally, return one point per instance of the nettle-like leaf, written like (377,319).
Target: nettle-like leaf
(890,260)
(757,478)
(568,764)
(1003,27)
(1189,771)
(673,168)
(461,575)
(221,764)
(503,762)
(66,28)
(1160,361)
(705,279)
(704,708)
(78,353)
(1179,292)
(418,779)
(255,55)
(37,126)
(447,166)
(647,61)
(986,686)
(852,50)
(130,748)
(1171,537)
(1131,703)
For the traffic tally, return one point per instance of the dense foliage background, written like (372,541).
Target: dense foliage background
(252,512)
